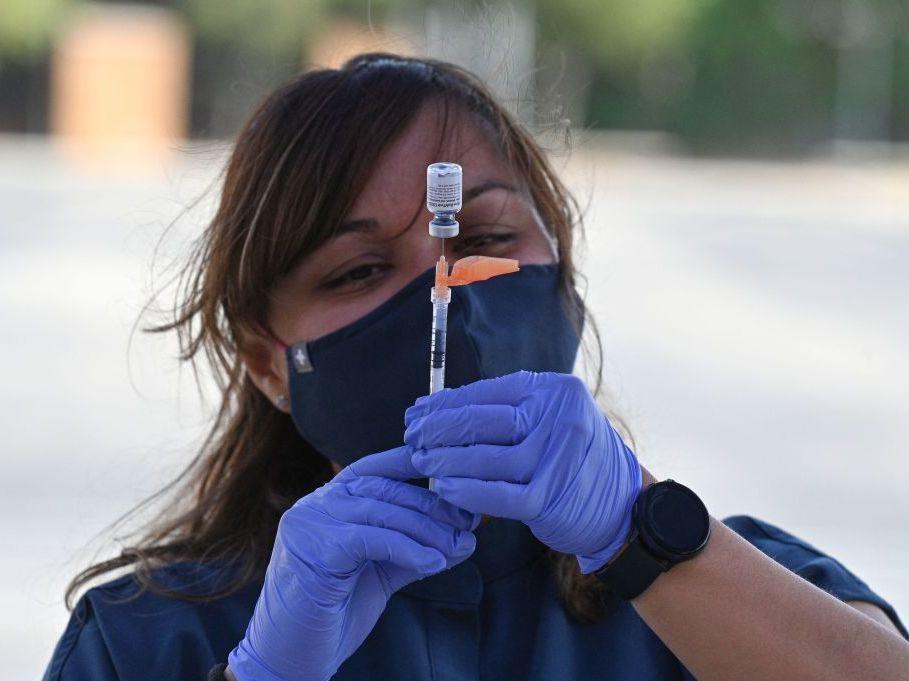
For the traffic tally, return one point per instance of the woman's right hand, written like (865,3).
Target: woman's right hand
(339,555)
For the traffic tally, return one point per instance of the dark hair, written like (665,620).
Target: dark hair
(294,173)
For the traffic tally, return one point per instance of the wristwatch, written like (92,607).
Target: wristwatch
(670,524)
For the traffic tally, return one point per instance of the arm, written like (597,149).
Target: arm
(535,447)
(732,612)
(875,613)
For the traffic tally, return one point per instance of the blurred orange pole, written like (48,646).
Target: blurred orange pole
(120,84)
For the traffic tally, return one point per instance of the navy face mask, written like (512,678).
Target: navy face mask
(349,389)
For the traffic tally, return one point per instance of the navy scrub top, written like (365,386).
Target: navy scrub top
(495,616)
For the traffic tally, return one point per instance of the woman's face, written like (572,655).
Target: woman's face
(383,246)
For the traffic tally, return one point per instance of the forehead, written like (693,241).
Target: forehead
(398,182)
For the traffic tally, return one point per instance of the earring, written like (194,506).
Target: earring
(281,401)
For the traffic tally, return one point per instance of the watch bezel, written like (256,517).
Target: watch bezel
(650,538)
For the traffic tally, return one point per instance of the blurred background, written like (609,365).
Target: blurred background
(745,172)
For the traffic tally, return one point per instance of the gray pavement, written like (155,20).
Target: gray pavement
(755,320)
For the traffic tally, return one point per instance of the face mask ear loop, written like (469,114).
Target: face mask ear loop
(281,345)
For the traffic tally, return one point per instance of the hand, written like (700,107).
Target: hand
(534,447)
(339,554)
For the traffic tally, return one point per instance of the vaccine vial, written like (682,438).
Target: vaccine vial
(443,198)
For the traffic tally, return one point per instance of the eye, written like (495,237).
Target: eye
(358,276)
(486,242)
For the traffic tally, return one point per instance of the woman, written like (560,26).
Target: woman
(300,550)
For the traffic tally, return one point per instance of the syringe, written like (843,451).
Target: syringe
(443,199)
(440,298)
(465,271)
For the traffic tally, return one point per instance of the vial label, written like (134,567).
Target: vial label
(443,188)
(444,197)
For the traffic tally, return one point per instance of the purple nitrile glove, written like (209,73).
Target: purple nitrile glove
(534,447)
(339,555)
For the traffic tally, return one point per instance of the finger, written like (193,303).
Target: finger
(494,424)
(384,545)
(481,462)
(495,498)
(427,532)
(509,389)
(392,463)
(415,498)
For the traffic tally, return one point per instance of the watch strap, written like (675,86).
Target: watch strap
(632,571)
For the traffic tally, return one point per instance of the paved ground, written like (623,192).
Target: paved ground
(755,324)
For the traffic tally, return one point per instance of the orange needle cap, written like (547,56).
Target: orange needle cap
(479,267)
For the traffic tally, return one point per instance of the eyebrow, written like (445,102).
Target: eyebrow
(371,224)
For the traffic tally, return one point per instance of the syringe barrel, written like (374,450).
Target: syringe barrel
(437,339)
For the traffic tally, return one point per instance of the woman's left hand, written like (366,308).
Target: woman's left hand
(534,447)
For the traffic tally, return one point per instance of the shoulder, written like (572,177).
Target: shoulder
(121,630)
(775,542)
(809,562)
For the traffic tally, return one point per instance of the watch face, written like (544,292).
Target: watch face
(673,520)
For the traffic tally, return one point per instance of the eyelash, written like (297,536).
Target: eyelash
(466,244)
(348,278)
(482,240)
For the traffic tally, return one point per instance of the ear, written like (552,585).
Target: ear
(264,363)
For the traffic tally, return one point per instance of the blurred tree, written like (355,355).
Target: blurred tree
(242,49)
(763,75)
(757,84)
(27,30)
(27,27)
(374,11)
(617,34)
(279,27)
(757,75)
(900,120)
